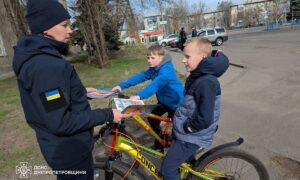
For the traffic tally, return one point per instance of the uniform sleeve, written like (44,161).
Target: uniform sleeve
(136,79)
(202,118)
(55,92)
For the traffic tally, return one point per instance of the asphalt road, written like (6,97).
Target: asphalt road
(261,102)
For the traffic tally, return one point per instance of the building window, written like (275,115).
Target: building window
(154,19)
(2,48)
(153,38)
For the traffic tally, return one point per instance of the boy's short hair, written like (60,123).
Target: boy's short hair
(155,49)
(203,44)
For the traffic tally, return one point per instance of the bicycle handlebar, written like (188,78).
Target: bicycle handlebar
(121,95)
(110,126)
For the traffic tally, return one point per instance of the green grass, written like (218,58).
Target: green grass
(17,140)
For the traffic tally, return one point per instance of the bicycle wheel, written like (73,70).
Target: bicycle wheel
(233,163)
(118,168)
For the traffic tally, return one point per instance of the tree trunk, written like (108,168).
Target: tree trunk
(102,43)
(99,59)
(132,22)
(16,17)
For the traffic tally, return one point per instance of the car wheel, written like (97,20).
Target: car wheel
(164,44)
(219,41)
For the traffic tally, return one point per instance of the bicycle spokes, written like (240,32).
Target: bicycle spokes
(231,168)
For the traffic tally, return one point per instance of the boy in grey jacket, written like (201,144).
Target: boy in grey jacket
(195,122)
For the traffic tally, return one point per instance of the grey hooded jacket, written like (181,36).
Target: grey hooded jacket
(196,120)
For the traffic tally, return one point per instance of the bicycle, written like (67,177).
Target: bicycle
(201,166)
(205,159)
(164,138)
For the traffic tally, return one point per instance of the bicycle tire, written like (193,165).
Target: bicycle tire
(231,153)
(118,167)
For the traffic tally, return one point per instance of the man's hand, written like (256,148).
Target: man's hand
(116,88)
(135,97)
(90,90)
(118,116)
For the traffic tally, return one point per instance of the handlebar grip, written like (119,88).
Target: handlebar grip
(121,95)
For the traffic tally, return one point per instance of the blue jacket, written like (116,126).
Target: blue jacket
(196,120)
(54,101)
(166,85)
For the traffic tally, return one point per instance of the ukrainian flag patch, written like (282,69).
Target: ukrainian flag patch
(52,95)
(53,99)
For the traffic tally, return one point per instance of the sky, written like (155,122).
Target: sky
(211,5)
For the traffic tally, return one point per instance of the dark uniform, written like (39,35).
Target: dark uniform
(182,37)
(55,104)
(194,33)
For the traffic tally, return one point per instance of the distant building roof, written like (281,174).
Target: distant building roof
(150,33)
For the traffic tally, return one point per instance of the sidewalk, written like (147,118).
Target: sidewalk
(246,30)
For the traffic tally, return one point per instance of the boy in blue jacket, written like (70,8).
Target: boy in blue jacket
(165,84)
(195,122)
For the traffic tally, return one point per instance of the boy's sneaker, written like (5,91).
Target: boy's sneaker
(157,146)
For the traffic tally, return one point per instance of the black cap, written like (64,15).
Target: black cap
(44,14)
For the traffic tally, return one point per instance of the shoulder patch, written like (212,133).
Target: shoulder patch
(52,95)
(53,99)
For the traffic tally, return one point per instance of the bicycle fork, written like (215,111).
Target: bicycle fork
(109,174)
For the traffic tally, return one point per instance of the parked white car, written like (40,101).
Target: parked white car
(165,40)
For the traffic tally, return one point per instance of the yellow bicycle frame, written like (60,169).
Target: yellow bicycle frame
(124,144)
(144,125)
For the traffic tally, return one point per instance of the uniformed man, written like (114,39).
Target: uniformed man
(52,95)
